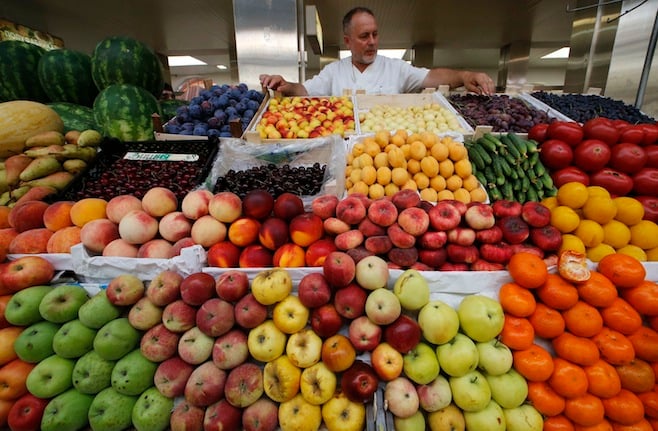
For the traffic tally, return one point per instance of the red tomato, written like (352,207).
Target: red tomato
(566,131)
(601,128)
(591,155)
(617,183)
(652,156)
(650,134)
(645,182)
(555,154)
(538,132)
(650,204)
(633,134)
(628,158)
(568,174)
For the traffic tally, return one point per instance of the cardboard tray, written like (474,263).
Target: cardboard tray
(200,152)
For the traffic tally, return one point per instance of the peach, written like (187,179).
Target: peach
(324,206)
(120,205)
(31,241)
(28,215)
(255,256)
(137,227)
(404,257)
(63,239)
(4,217)
(156,249)
(158,201)
(180,245)
(288,206)
(359,253)
(433,257)
(434,239)
(243,231)
(351,210)
(289,255)
(317,252)
(174,226)
(208,231)
(399,237)
(224,254)
(380,244)
(225,207)
(273,233)
(305,229)
(120,248)
(406,198)
(335,226)
(414,221)
(350,239)
(382,212)
(87,209)
(195,203)
(58,215)
(257,204)
(6,236)
(97,234)
(368,228)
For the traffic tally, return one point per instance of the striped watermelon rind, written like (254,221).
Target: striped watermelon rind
(19,77)
(75,117)
(65,76)
(124,111)
(124,60)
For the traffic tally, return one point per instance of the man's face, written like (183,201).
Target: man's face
(362,38)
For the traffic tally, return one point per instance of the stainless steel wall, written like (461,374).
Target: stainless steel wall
(629,54)
(266,39)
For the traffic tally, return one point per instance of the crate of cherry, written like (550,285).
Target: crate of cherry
(135,167)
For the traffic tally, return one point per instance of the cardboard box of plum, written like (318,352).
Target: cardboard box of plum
(135,167)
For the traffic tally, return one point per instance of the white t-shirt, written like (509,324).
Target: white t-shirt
(384,76)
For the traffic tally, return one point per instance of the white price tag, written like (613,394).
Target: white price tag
(161,157)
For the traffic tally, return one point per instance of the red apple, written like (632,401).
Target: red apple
(325,320)
(26,413)
(249,313)
(359,382)
(313,290)
(339,269)
(232,285)
(222,416)
(125,289)
(171,376)
(350,301)
(364,334)
(403,334)
(215,317)
(26,271)
(197,288)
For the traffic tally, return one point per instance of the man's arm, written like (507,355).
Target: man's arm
(476,82)
(278,83)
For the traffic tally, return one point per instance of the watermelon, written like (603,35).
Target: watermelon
(124,60)
(75,117)
(65,76)
(19,77)
(124,111)
(169,107)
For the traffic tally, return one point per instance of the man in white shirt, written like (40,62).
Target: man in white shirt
(365,70)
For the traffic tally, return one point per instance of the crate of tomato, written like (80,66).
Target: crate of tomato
(614,154)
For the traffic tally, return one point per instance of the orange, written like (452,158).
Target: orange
(645,343)
(625,408)
(602,379)
(572,194)
(545,399)
(583,319)
(637,376)
(624,271)
(517,333)
(568,379)
(527,270)
(598,291)
(516,300)
(558,293)
(534,363)
(641,425)
(585,410)
(644,234)
(629,210)
(614,347)
(547,322)
(621,316)
(579,350)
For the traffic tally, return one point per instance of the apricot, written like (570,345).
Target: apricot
(63,239)
(4,217)
(58,215)
(87,209)
(7,338)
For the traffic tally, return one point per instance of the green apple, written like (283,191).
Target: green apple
(35,343)
(470,392)
(98,310)
(495,357)
(490,418)
(438,321)
(133,373)
(111,411)
(50,377)
(152,411)
(23,307)
(509,390)
(62,303)
(115,339)
(458,356)
(412,423)
(73,339)
(480,317)
(421,364)
(92,373)
(523,418)
(67,411)
(412,290)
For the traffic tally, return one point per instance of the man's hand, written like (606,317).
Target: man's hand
(277,83)
(478,82)
(272,82)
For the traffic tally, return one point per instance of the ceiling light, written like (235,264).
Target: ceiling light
(392,53)
(184,60)
(221,67)
(559,53)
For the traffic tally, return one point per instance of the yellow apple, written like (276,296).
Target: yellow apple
(342,414)
(271,286)
(318,384)
(266,342)
(298,414)
(290,315)
(281,379)
(304,348)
